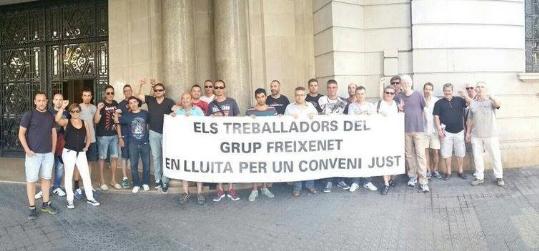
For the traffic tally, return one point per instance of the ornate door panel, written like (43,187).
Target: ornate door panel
(42,45)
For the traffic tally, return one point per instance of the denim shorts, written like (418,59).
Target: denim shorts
(107,145)
(38,166)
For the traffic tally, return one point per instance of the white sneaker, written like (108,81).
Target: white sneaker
(135,189)
(104,187)
(412,182)
(354,187)
(70,205)
(425,188)
(370,186)
(94,202)
(146,187)
(253,195)
(58,191)
(38,195)
(117,186)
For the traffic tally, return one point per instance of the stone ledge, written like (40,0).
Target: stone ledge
(528,77)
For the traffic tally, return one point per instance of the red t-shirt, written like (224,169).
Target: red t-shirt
(202,105)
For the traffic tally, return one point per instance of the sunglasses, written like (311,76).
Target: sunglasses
(389,93)
(395,83)
(110,93)
(75,111)
(208,86)
(469,88)
(158,90)
(219,87)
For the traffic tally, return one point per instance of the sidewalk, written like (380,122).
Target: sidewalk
(454,216)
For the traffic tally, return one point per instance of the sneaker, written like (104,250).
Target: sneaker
(117,186)
(253,195)
(164,188)
(70,205)
(158,185)
(233,195)
(135,189)
(104,187)
(220,195)
(354,187)
(392,183)
(125,183)
(33,213)
(412,182)
(342,185)
(58,191)
(78,194)
(266,192)
(48,208)
(385,190)
(200,199)
(462,175)
(38,195)
(145,187)
(437,175)
(477,182)
(370,186)
(328,187)
(184,198)
(500,182)
(94,202)
(424,188)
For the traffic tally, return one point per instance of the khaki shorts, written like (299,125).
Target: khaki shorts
(433,141)
(453,142)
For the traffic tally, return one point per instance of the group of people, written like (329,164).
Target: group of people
(68,137)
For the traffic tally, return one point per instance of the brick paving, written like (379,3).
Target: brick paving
(454,216)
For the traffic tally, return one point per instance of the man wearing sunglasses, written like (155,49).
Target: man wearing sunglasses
(107,136)
(472,95)
(208,92)
(223,106)
(396,83)
(158,106)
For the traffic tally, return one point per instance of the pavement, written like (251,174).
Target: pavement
(454,216)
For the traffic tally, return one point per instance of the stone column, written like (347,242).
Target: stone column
(179,63)
(231,50)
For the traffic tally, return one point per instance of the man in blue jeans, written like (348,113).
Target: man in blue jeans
(158,106)
(37,134)
(136,123)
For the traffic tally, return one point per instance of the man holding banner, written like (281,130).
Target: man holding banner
(301,108)
(223,106)
(261,109)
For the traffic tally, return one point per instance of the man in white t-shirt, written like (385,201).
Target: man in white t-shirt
(208,96)
(431,133)
(333,104)
(301,109)
(360,106)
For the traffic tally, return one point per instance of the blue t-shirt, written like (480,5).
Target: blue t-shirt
(195,111)
(137,126)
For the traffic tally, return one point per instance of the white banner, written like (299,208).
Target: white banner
(281,148)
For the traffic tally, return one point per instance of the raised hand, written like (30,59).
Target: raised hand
(100,105)
(65,103)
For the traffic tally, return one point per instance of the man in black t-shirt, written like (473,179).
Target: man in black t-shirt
(107,136)
(124,150)
(37,134)
(313,96)
(158,106)
(449,120)
(276,100)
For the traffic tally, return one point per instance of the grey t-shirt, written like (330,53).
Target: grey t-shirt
(87,113)
(414,119)
(482,114)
